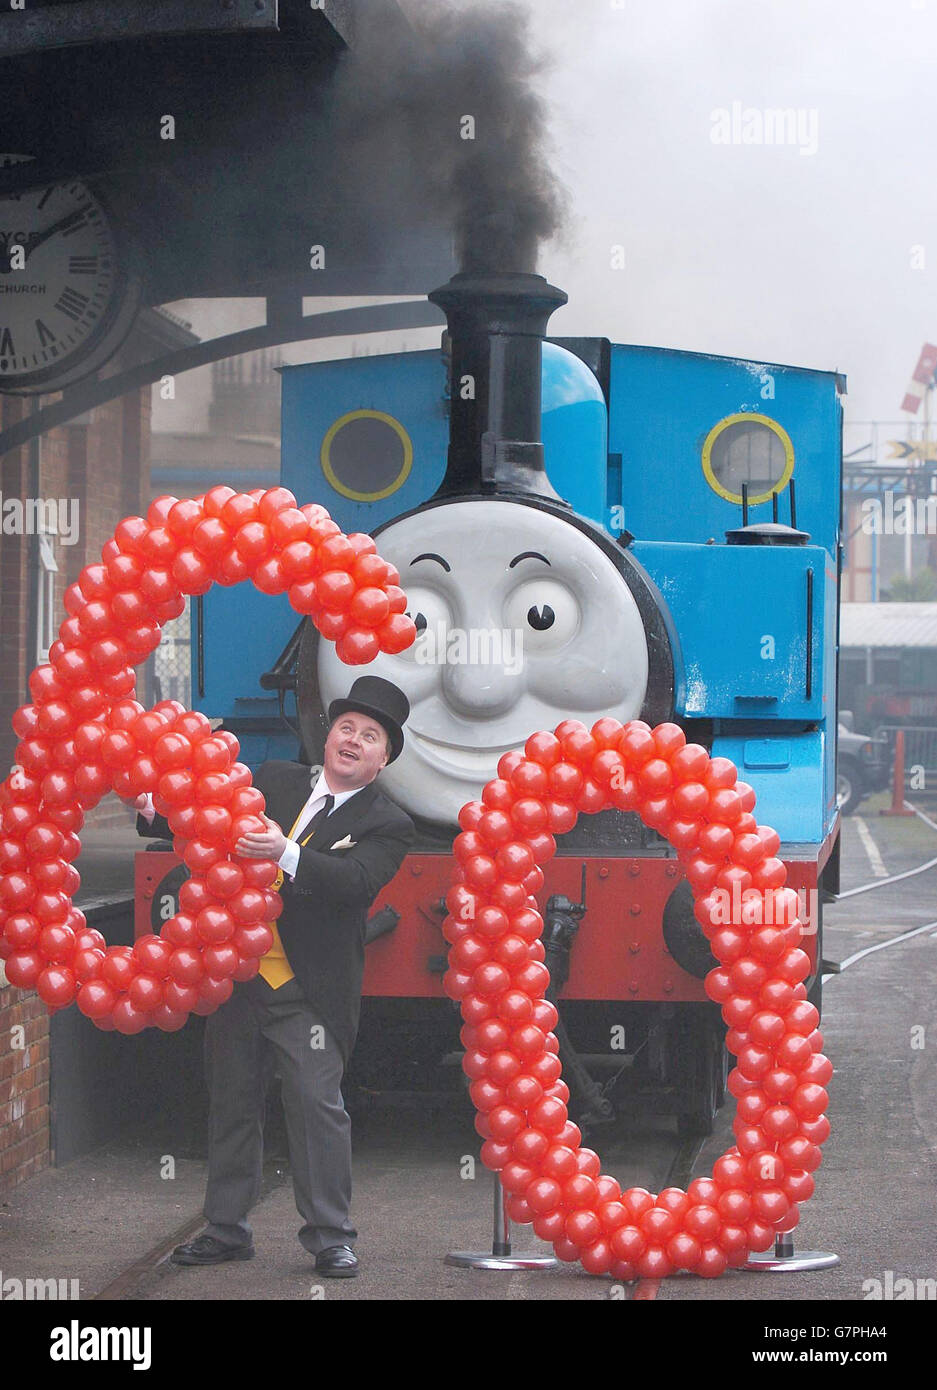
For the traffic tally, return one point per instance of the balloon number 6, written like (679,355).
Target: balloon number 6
(85,734)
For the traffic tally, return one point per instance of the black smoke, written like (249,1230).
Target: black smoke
(403,101)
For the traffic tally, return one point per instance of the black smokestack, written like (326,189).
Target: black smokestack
(440,118)
(496,324)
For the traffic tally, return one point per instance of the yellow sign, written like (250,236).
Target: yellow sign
(923,449)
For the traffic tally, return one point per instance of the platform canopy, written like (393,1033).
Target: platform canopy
(888,625)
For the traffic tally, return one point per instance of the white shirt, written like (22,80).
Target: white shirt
(289,859)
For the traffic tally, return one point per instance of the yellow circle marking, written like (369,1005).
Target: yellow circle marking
(401,433)
(746,417)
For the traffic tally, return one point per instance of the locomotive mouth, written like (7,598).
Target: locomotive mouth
(460,759)
(497,324)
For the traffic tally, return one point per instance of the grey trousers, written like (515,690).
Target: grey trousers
(257,1027)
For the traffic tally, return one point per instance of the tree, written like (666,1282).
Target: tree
(920,588)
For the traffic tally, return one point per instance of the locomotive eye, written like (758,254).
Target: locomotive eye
(432,617)
(545,614)
(541,618)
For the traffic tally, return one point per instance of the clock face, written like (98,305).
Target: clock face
(60,284)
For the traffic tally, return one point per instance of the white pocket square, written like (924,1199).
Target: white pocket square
(347,843)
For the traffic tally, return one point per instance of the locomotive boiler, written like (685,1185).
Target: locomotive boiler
(583,528)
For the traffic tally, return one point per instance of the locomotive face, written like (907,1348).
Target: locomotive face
(523,622)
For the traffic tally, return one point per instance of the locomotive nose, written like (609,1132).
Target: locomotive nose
(480,690)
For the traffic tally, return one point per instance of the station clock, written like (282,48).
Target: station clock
(67,295)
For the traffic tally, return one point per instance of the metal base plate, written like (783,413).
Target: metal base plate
(802,1259)
(469,1259)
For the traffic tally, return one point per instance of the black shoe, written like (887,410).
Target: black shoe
(206,1250)
(338,1262)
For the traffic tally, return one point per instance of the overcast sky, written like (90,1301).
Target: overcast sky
(826,258)
(751,250)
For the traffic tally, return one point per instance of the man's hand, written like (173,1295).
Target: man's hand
(269,844)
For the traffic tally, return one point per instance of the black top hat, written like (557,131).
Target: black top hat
(383,701)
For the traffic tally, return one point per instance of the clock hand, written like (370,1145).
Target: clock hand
(70,219)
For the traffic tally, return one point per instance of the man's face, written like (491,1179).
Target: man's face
(355,751)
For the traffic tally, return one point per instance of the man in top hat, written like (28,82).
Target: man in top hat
(338,840)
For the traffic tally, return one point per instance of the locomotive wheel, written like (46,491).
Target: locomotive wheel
(849,788)
(702,1071)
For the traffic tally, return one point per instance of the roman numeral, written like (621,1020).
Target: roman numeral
(6,344)
(72,303)
(42,201)
(83,265)
(46,336)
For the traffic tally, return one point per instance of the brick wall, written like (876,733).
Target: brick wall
(24,1086)
(103,463)
(13,590)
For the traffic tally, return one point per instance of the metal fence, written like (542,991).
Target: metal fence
(920,750)
(168,672)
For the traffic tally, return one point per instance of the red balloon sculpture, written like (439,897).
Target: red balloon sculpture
(85,734)
(496,970)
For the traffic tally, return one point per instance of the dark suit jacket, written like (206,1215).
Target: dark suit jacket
(325,908)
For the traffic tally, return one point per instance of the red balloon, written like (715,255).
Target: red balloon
(712,1262)
(96,999)
(735,1204)
(583,1227)
(128,1019)
(597,1258)
(212,994)
(658,1225)
(579,1191)
(818,1069)
(816,1131)
(770,1204)
(754,1061)
(654,1264)
(798,1186)
(57,943)
(683,1251)
(703,1222)
(760,1234)
(809,1100)
(779,1122)
(145,993)
(550,1226)
(779,1083)
(55,985)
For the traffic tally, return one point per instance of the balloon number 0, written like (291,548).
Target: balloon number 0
(511,1056)
(85,734)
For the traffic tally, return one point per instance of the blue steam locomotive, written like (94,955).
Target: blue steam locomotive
(583,528)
